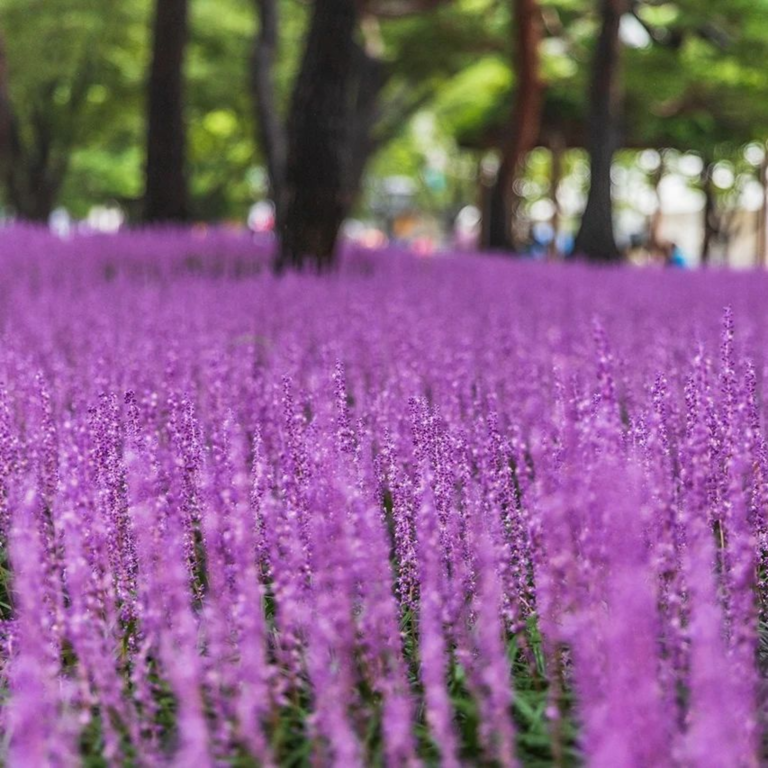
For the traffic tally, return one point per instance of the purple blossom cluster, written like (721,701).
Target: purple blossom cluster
(449,511)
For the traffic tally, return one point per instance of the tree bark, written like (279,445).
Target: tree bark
(7,115)
(270,126)
(557,150)
(504,202)
(10,148)
(166,185)
(596,236)
(366,77)
(710,221)
(32,194)
(31,178)
(317,193)
(654,225)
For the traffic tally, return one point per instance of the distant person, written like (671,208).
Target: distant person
(675,256)
(541,239)
(261,217)
(637,250)
(60,222)
(466,228)
(565,242)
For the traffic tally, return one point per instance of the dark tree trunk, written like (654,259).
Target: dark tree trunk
(351,109)
(166,184)
(10,148)
(32,179)
(557,149)
(7,116)
(336,122)
(317,191)
(596,237)
(710,219)
(523,131)
(654,226)
(270,126)
(497,232)
(32,194)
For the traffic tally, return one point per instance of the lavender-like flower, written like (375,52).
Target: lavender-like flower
(456,511)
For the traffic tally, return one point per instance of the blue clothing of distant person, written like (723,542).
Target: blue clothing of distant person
(677,257)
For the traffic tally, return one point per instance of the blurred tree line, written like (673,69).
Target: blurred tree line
(169,107)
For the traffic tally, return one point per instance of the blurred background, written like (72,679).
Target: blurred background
(614,129)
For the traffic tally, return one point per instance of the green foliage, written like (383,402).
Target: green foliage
(77,72)
(540,741)
(74,73)
(468,101)
(81,67)
(219,110)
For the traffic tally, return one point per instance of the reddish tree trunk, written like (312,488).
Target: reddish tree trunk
(523,130)
(166,185)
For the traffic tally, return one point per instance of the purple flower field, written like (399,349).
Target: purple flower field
(449,511)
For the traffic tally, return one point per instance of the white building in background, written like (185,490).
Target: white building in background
(741,252)
(682,222)
(679,208)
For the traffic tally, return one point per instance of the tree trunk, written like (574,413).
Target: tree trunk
(710,222)
(166,184)
(654,225)
(761,236)
(343,98)
(523,131)
(317,197)
(596,237)
(271,128)
(7,115)
(32,194)
(32,179)
(497,230)
(10,148)
(557,150)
